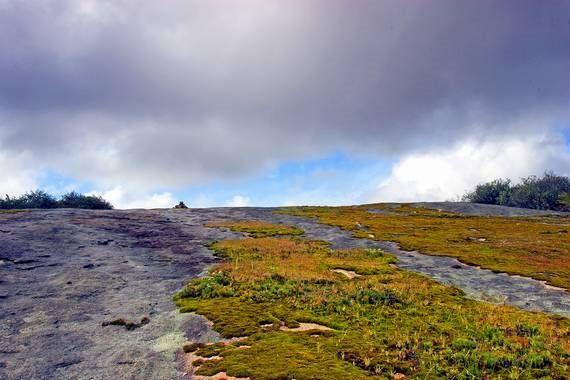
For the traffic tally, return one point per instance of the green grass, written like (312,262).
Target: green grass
(388,321)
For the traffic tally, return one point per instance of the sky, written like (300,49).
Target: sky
(270,103)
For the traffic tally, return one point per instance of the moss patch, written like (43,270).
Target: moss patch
(536,247)
(257,228)
(388,321)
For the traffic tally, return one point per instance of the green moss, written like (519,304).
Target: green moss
(285,356)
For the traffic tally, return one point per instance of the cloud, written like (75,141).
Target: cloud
(124,199)
(152,96)
(16,176)
(448,174)
(239,201)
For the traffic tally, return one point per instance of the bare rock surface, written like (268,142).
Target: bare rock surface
(65,273)
(73,281)
(478,209)
(469,209)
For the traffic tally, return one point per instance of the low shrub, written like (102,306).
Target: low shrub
(490,192)
(34,199)
(549,192)
(76,200)
(41,200)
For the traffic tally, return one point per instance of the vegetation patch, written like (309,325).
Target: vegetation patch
(257,228)
(129,325)
(387,323)
(41,200)
(534,247)
(550,192)
(12,211)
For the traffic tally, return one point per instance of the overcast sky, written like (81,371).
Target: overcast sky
(270,102)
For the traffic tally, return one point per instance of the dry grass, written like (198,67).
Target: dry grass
(290,258)
(537,247)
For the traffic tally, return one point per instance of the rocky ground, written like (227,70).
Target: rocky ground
(87,294)
(64,273)
(476,209)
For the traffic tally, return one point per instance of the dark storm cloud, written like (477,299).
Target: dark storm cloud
(173,93)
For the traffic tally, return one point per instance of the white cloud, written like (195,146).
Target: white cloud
(16,175)
(123,199)
(239,201)
(448,174)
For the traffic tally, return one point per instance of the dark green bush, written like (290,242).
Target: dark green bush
(491,192)
(41,200)
(546,193)
(33,199)
(76,200)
